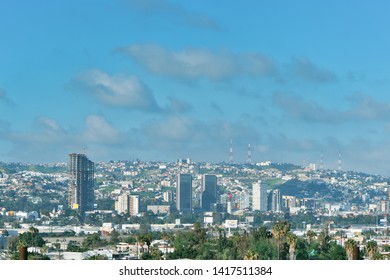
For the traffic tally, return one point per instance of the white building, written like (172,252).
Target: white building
(122,203)
(259,197)
(134,205)
(126,203)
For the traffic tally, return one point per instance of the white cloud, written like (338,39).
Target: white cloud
(4,97)
(362,108)
(177,106)
(116,91)
(98,130)
(199,63)
(49,124)
(173,12)
(48,141)
(307,70)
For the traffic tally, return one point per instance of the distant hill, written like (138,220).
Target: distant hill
(43,168)
(302,189)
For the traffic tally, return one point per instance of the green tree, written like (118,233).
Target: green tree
(31,238)
(350,248)
(310,235)
(93,241)
(333,252)
(279,231)
(97,257)
(114,238)
(292,242)
(371,249)
(74,246)
(251,255)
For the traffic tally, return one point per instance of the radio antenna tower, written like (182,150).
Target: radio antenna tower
(231,151)
(249,155)
(322,162)
(339,162)
(385,229)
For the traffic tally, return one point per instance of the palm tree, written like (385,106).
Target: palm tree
(279,231)
(165,238)
(251,255)
(340,233)
(372,249)
(350,246)
(147,238)
(292,242)
(34,231)
(310,235)
(141,243)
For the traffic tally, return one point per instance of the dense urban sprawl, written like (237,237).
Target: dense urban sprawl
(305,213)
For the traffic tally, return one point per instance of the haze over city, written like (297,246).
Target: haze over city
(162,80)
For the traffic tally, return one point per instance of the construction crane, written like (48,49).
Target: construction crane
(80,148)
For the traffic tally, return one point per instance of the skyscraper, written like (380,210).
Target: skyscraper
(184,193)
(81,182)
(209,191)
(259,197)
(274,201)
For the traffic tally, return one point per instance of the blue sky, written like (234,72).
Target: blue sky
(162,80)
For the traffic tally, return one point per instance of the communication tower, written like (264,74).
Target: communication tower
(249,155)
(231,151)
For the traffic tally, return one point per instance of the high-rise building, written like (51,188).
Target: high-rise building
(122,203)
(209,191)
(184,193)
(134,205)
(244,200)
(81,182)
(274,201)
(259,197)
(126,203)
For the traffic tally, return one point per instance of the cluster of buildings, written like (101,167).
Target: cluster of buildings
(184,187)
(188,187)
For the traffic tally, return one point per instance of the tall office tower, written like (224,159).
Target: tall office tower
(134,205)
(122,204)
(81,182)
(275,201)
(259,197)
(184,193)
(209,191)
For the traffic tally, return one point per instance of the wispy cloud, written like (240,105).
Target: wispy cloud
(99,130)
(307,70)
(173,12)
(177,106)
(173,132)
(118,90)
(222,65)
(194,63)
(49,141)
(362,108)
(4,97)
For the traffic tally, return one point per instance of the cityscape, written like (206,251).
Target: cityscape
(194,130)
(120,210)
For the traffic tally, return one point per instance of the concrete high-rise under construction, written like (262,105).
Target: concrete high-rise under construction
(81,182)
